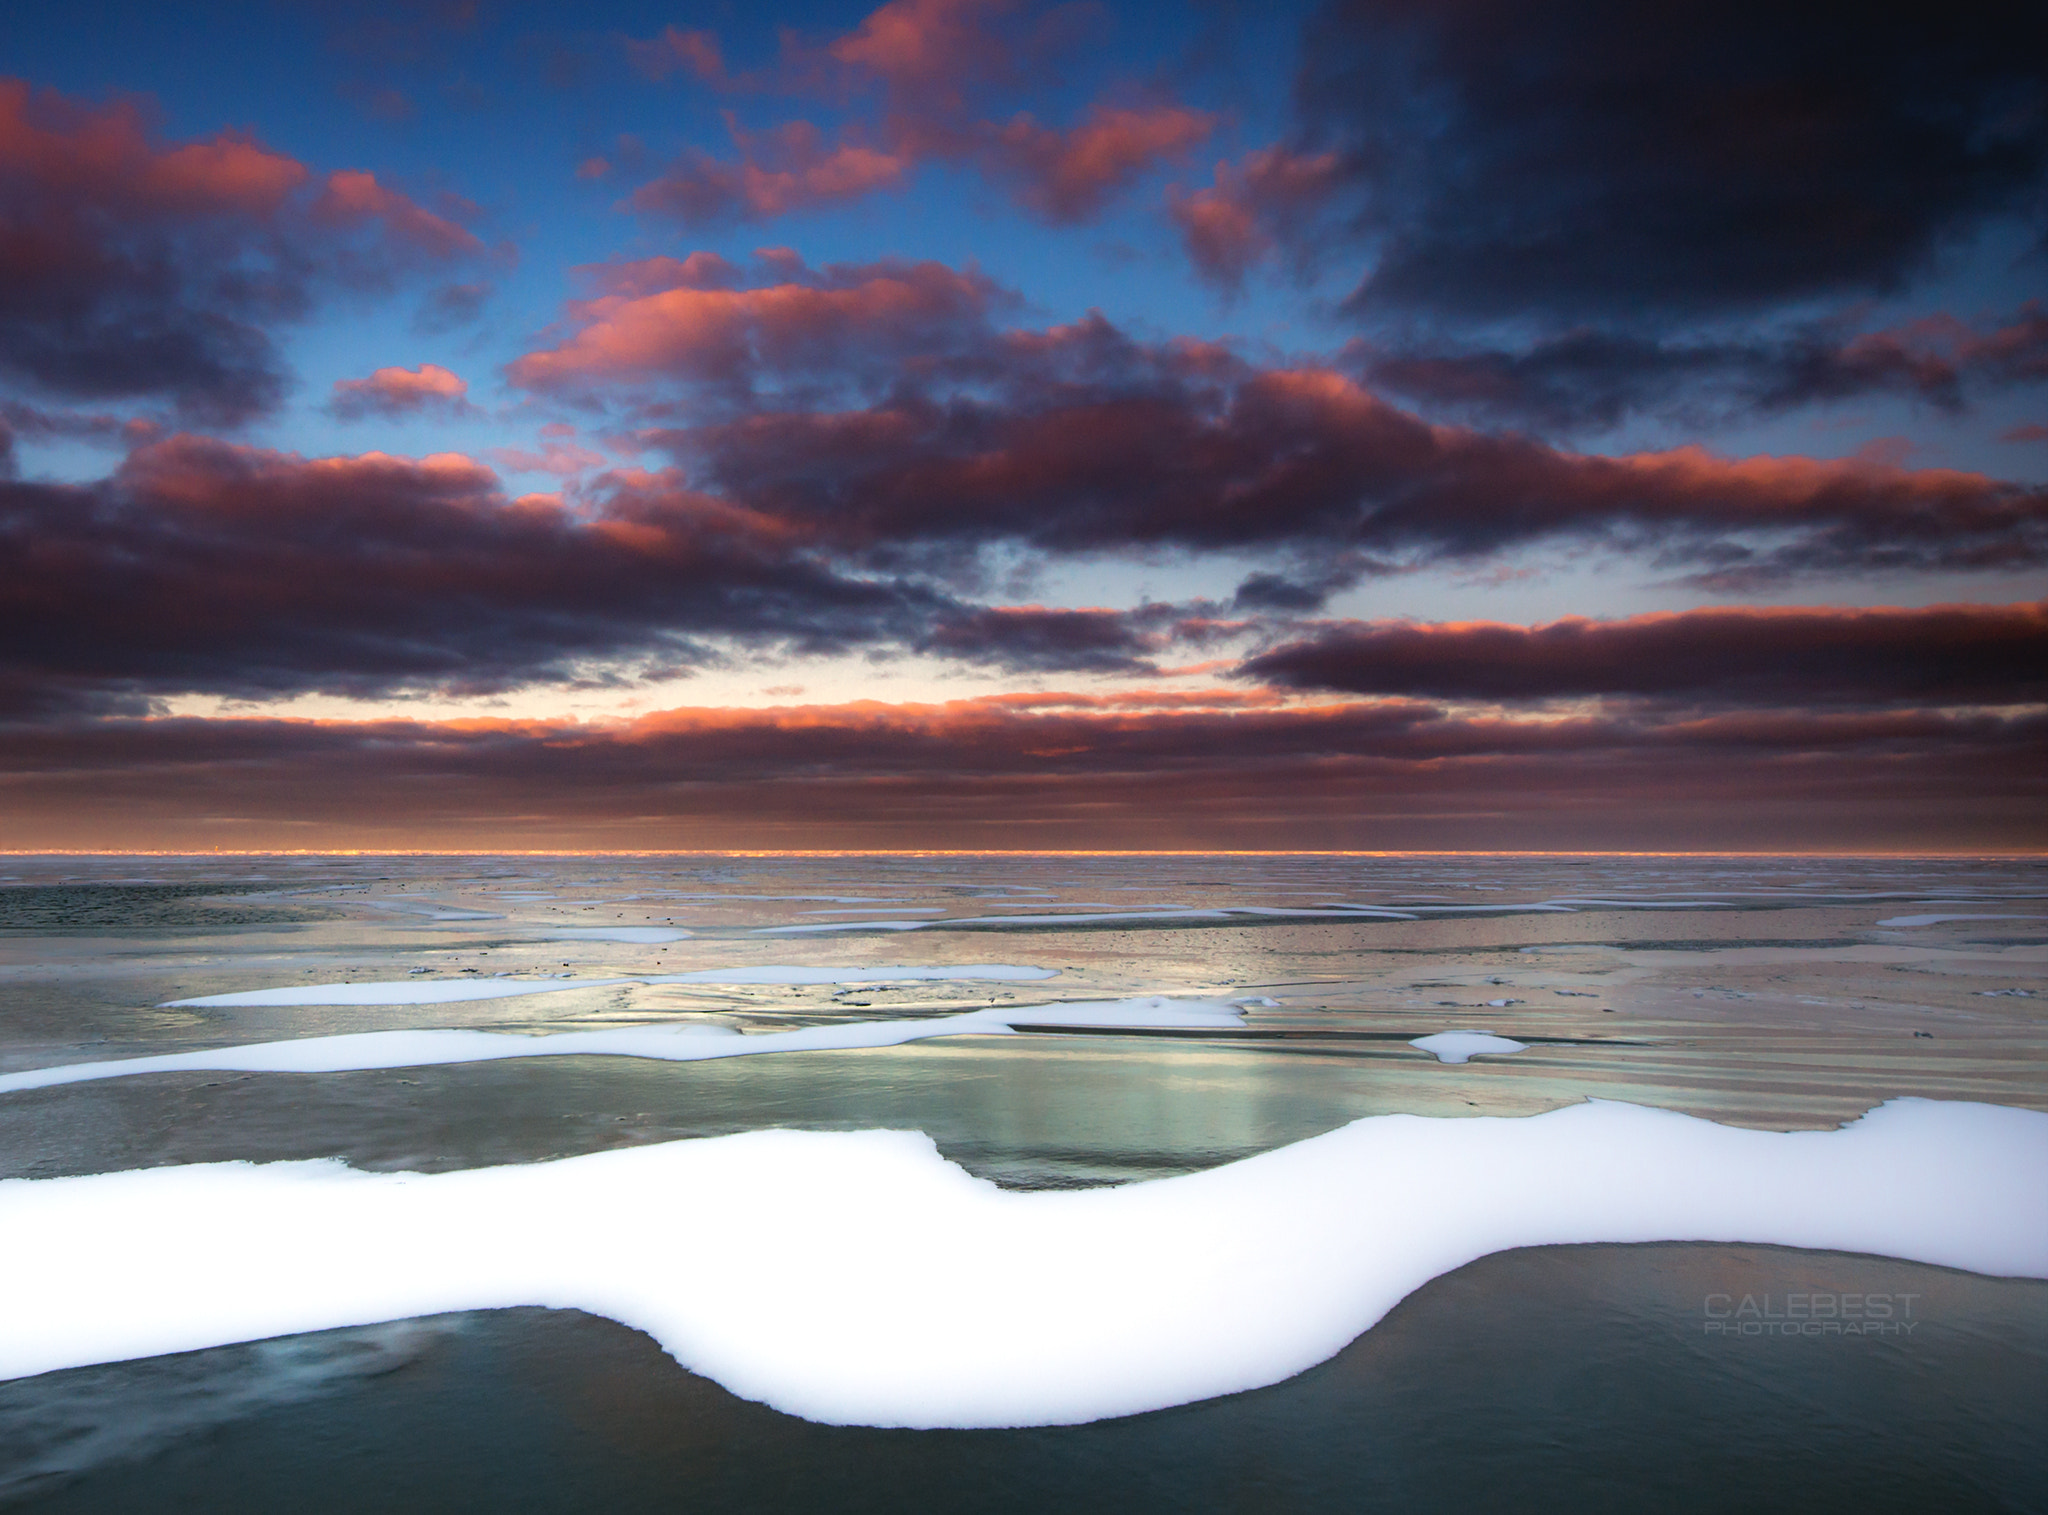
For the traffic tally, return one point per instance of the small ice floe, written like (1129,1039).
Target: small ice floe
(975,1306)
(1936,920)
(1458,1046)
(690,1042)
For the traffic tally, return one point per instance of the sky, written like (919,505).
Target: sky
(1373,425)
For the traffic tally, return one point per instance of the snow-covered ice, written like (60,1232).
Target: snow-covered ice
(1457,1046)
(690,1042)
(954,1303)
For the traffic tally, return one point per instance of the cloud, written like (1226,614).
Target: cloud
(136,268)
(451,306)
(881,411)
(1591,378)
(934,65)
(1005,773)
(1068,176)
(1942,655)
(675,50)
(1080,439)
(201,565)
(1267,196)
(664,321)
(788,168)
(396,392)
(1599,161)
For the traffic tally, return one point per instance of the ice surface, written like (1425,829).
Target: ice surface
(1936,920)
(674,1043)
(445,991)
(1457,1046)
(955,1303)
(405,991)
(648,934)
(780,974)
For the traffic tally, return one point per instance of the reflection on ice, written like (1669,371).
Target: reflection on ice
(955,1303)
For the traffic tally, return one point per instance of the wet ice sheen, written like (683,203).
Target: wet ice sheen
(955,1303)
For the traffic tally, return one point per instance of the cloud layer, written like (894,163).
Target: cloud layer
(989,773)
(135,268)
(1945,655)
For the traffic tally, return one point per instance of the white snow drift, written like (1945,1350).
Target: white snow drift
(950,1302)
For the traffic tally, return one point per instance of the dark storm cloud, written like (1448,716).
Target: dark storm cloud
(1609,161)
(879,410)
(1186,449)
(1591,378)
(1944,655)
(993,772)
(206,566)
(132,267)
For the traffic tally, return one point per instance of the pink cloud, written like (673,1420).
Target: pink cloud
(353,196)
(1069,175)
(665,319)
(132,267)
(789,168)
(932,62)
(1239,220)
(395,392)
(560,454)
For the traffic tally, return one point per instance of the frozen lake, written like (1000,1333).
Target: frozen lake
(1078,1026)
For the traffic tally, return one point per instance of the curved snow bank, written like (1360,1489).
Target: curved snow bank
(954,1303)
(1460,1046)
(686,1043)
(413,991)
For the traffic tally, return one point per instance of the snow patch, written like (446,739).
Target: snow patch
(1458,1046)
(970,1305)
(692,1042)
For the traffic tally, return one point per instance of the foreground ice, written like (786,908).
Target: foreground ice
(1936,920)
(954,1303)
(444,991)
(676,1043)
(1460,1046)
